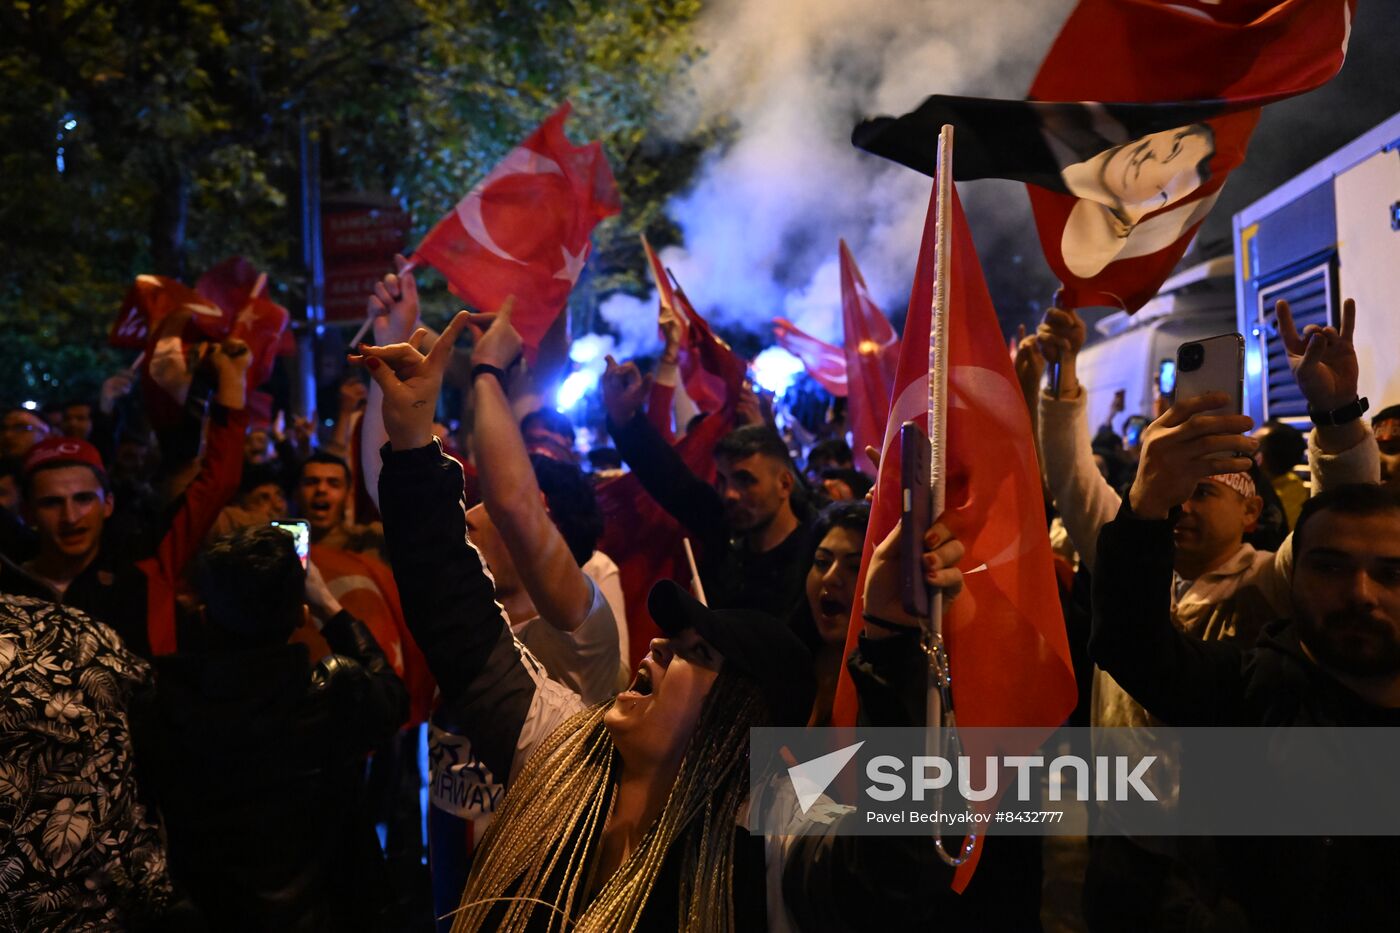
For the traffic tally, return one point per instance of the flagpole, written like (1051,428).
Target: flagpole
(937,427)
(940,718)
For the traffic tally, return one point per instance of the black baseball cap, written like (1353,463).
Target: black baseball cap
(756,644)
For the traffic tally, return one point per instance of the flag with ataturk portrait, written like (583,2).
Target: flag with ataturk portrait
(1139,113)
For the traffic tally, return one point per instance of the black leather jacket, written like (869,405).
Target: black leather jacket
(256,759)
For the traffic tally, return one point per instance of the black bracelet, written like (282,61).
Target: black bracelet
(886,624)
(1339,416)
(496,371)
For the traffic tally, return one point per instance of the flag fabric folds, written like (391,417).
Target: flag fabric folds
(710,369)
(524,229)
(1126,141)
(1007,649)
(823,361)
(872,355)
(236,286)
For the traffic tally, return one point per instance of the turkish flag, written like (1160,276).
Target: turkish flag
(237,287)
(1119,189)
(711,371)
(524,229)
(824,362)
(150,299)
(1009,658)
(872,355)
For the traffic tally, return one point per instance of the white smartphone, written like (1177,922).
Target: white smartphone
(1215,364)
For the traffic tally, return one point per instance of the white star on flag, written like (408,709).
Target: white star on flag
(573,264)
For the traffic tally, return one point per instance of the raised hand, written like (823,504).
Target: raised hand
(1060,337)
(1323,359)
(1027,361)
(1185,446)
(883,581)
(394,305)
(231,360)
(624,390)
(498,343)
(411,381)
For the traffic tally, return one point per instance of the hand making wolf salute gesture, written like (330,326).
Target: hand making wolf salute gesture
(411,381)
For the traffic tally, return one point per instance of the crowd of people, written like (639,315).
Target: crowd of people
(204,726)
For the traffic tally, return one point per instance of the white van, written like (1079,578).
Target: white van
(1196,303)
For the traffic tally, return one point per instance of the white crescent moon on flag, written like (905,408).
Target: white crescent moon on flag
(518,162)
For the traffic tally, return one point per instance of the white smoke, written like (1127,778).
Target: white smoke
(793,77)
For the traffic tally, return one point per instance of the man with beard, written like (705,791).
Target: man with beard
(755,547)
(1335,662)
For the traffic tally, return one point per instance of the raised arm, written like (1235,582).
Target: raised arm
(394,306)
(1085,500)
(1182,680)
(662,472)
(492,689)
(512,497)
(217,480)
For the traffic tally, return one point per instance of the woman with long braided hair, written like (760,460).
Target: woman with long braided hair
(628,815)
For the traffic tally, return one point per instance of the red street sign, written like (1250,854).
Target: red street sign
(363,233)
(348,287)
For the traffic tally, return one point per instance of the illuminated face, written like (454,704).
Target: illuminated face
(1346,592)
(831,583)
(652,721)
(68,508)
(549,444)
(321,496)
(1213,522)
(1158,169)
(265,501)
(257,447)
(20,431)
(753,490)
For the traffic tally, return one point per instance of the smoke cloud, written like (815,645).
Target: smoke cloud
(792,77)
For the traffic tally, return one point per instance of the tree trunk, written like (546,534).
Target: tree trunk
(169,214)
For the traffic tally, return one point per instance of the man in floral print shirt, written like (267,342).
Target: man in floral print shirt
(77,851)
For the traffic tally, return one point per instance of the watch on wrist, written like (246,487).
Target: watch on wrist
(496,371)
(1339,416)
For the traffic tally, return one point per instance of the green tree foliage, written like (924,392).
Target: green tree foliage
(162,135)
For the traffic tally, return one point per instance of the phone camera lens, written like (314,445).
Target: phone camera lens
(1192,356)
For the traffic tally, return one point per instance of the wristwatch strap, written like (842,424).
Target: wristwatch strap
(1338,416)
(496,371)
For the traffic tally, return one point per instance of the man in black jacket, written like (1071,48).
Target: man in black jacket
(755,549)
(1337,662)
(256,757)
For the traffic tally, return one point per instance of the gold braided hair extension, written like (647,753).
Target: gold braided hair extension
(555,812)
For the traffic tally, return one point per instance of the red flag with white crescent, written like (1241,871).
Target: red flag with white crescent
(872,355)
(236,286)
(524,229)
(823,361)
(1008,655)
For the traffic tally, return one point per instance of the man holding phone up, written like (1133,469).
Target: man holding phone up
(1223,588)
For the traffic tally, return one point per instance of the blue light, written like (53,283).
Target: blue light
(574,387)
(71,125)
(775,369)
(1253,365)
(590,347)
(59,161)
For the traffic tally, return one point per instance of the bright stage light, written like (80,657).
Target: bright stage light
(574,387)
(590,347)
(775,369)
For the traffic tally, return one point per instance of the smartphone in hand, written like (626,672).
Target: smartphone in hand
(300,530)
(916,514)
(1215,364)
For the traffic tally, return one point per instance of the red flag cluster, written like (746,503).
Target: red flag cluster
(872,355)
(524,229)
